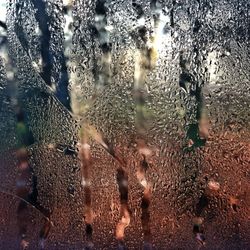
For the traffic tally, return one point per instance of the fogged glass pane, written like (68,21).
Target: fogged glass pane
(124,124)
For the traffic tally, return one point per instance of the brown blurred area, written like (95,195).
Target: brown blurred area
(214,187)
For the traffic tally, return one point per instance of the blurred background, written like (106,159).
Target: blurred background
(124,124)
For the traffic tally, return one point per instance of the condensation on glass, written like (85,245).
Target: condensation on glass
(124,124)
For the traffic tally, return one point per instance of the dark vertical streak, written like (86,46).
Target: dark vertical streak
(62,91)
(105,46)
(43,22)
(122,180)
(145,218)
(172,14)
(191,87)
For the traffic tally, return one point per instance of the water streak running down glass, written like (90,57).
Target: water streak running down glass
(124,124)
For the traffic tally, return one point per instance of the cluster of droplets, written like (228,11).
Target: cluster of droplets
(145,68)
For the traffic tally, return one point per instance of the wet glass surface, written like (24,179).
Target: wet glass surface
(124,124)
